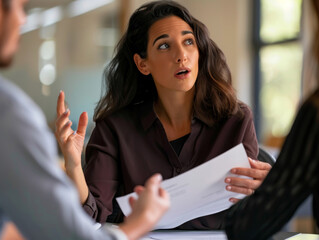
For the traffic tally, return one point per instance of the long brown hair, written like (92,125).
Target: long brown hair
(215,97)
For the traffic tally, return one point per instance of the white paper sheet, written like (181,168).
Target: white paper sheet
(303,236)
(186,235)
(198,192)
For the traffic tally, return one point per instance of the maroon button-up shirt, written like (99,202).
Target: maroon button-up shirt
(129,146)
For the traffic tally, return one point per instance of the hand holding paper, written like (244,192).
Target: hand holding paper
(200,191)
(256,175)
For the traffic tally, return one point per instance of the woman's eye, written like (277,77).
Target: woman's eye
(189,41)
(163,46)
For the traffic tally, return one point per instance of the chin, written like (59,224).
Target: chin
(188,87)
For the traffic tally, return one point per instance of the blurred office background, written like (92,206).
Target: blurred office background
(66,44)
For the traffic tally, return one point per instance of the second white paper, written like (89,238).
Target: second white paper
(199,191)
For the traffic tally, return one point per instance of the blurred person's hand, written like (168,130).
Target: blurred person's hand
(153,201)
(11,232)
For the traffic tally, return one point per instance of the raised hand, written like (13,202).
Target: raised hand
(258,172)
(71,142)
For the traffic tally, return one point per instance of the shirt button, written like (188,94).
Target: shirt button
(178,170)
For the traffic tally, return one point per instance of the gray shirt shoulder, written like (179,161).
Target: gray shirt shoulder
(35,193)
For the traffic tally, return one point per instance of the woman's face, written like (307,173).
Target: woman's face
(172,55)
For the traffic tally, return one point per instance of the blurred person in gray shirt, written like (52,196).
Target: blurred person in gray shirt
(36,195)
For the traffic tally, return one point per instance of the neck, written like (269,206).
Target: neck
(175,113)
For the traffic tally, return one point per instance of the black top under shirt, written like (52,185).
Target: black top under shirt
(178,143)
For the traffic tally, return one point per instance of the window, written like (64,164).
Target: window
(278,67)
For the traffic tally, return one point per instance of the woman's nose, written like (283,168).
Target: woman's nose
(180,55)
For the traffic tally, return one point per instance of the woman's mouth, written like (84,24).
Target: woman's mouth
(182,73)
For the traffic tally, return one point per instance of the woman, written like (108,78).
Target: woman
(169,107)
(293,178)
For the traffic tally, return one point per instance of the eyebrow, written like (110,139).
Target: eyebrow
(166,35)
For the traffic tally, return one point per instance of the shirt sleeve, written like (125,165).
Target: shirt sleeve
(101,172)
(292,179)
(35,193)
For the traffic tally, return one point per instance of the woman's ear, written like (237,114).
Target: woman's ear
(141,64)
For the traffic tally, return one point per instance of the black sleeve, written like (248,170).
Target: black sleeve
(292,179)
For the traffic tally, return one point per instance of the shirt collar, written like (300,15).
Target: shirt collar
(148,115)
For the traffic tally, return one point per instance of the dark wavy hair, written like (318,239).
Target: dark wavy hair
(215,98)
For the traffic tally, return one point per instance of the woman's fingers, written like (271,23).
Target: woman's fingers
(243,182)
(259,164)
(258,170)
(257,173)
(239,189)
(60,107)
(61,121)
(250,172)
(234,200)
(242,186)
(65,132)
(83,122)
